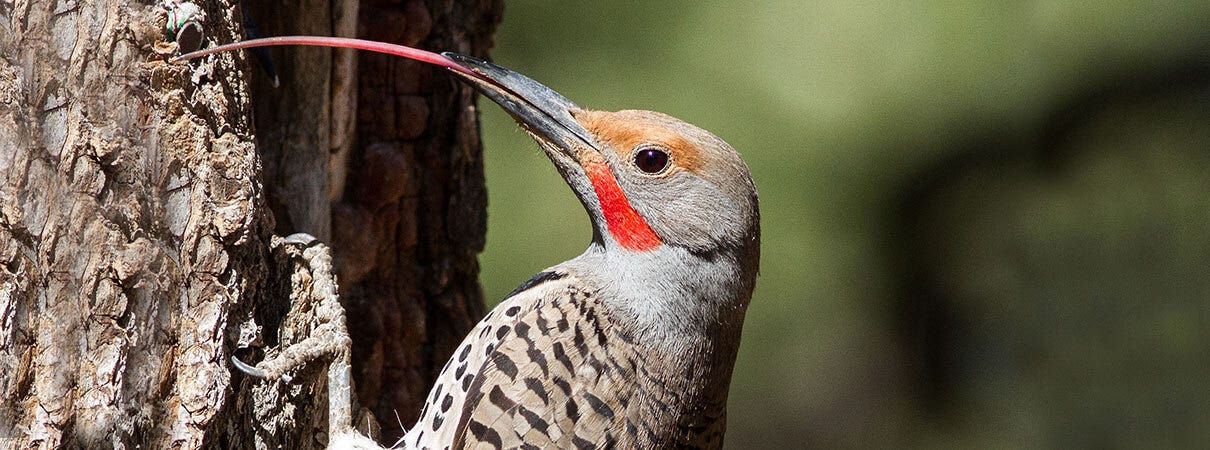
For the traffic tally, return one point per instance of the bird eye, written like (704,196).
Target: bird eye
(651,160)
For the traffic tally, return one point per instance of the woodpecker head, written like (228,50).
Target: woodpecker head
(647,180)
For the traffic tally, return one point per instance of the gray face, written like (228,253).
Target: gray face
(701,198)
(691,188)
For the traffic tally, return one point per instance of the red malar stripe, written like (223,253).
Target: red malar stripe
(624,223)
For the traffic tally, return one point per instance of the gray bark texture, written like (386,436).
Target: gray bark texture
(141,200)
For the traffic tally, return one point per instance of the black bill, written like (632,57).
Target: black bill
(539,108)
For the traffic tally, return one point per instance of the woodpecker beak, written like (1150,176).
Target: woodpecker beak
(542,111)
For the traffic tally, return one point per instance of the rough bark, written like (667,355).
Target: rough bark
(412,216)
(408,202)
(136,240)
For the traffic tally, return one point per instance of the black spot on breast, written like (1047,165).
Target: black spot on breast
(461,370)
(502,331)
(512,311)
(437,420)
(466,381)
(447,402)
(466,350)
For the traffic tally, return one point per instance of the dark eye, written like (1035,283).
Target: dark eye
(651,160)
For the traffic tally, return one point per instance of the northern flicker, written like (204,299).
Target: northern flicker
(632,343)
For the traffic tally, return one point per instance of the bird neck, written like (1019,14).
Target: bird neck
(675,302)
(684,312)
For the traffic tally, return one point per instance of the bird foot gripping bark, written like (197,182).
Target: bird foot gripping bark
(328,339)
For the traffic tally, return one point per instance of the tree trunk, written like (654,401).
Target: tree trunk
(137,207)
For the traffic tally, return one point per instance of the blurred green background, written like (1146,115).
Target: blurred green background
(985,223)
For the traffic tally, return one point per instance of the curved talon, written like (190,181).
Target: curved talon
(245,368)
(300,239)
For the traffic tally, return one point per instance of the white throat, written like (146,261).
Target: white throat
(669,294)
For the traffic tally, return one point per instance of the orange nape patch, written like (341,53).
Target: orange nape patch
(624,130)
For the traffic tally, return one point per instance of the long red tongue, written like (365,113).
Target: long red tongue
(339,42)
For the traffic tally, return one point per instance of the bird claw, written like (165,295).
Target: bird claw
(328,338)
(257,373)
(302,239)
(245,368)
